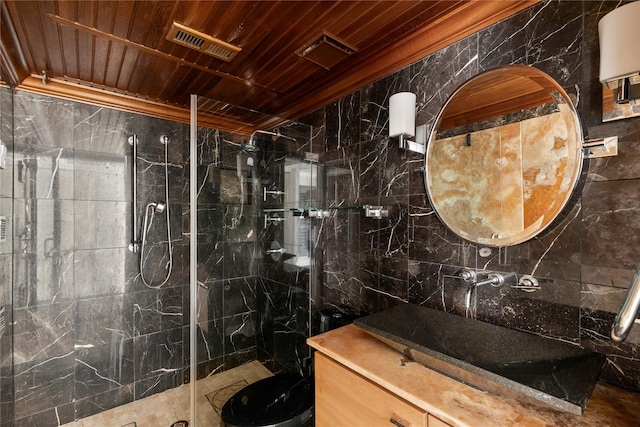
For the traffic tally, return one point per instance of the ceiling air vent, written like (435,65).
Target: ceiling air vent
(326,50)
(196,40)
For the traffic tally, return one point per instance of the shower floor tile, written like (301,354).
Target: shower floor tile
(164,409)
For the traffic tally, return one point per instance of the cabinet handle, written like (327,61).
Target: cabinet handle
(398,422)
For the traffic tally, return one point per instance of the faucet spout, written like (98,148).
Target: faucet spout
(493,279)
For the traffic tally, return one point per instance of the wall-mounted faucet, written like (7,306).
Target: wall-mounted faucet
(470,276)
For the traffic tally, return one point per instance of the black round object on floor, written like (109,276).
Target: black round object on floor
(284,400)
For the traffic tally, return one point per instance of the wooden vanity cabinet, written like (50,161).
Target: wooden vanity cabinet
(345,398)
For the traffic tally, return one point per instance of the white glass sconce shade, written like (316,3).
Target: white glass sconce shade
(619,32)
(402,114)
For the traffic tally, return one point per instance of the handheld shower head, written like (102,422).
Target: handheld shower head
(158,207)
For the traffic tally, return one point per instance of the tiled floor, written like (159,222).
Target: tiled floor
(164,409)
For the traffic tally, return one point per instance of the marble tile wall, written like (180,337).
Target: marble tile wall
(89,335)
(228,206)
(284,281)
(6,260)
(584,262)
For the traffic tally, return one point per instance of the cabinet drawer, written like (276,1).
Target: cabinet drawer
(437,422)
(344,398)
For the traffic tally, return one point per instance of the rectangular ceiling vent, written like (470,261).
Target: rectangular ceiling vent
(204,43)
(326,50)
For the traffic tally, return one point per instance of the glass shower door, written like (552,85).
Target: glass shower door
(6,257)
(250,256)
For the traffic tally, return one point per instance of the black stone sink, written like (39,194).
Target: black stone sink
(489,357)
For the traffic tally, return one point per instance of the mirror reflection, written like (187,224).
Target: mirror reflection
(504,156)
(300,188)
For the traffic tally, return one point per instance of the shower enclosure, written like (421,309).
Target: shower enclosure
(250,259)
(82,333)
(6,255)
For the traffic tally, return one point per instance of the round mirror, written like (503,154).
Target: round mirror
(504,156)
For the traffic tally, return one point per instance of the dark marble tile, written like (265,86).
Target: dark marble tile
(150,148)
(609,218)
(436,77)
(547,36)
(100,129)
(104,401)
(393,277)
(103,321)
(240,259)
(598,308)
(41,279)
(239,296)
(210,340)
(626,165)
(374,104)
(210,261)
(343,122)
(99,176)
(554,41)
(52,417)
(342,176)
(443,246)
(151,182)
(101,224)
(239,358)
(370,167)
(157,352)
(240,332)
(43,120)
(157,383)
(43,172)
(93,271)
(290,349)
(393,229)
(102,368)
(210,301)
(54,379)
(210,367)
(157,310)
(552,311)
(43,332)
(426,282)
(317,122)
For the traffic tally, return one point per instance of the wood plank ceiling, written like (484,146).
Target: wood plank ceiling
(115,53)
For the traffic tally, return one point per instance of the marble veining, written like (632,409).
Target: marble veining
(585,259)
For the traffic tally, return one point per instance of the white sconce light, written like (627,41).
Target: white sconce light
(402,122)
(619,32)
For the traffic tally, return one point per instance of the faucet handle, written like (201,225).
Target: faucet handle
(468,275)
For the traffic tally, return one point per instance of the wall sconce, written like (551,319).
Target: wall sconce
(402,122)
(619,55)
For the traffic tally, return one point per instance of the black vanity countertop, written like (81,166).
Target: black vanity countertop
(491,357)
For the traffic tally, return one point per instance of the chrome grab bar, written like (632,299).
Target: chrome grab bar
(135,242)
(628,312)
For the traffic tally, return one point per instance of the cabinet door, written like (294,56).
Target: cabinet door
(344,398)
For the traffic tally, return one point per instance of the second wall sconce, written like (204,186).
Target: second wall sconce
(619,56)
(402,122)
